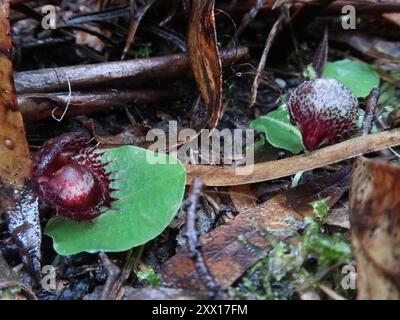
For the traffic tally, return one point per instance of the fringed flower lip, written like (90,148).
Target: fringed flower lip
(70,177)
(324,109)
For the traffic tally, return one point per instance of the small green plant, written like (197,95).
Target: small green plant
(229,88)
(388,100)
(143,50)
(309,72)
(330,248)
(321,209)
(149,276)
(313,257)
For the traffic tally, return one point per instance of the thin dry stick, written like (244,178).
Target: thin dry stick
(112,276)
(131,263)
(369,118)
(270,39)
(194,244)
(248,17)
(228,176)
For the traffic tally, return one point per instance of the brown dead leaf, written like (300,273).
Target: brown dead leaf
(136,135)
(393,17)
(17,199)
(231,249)
(369,45)
(133,135)
(339,215)
(375,225)
(92,41)
(205,59)
(242,197)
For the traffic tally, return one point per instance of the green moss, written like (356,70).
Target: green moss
(311,258)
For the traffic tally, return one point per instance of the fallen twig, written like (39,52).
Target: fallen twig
(194,243)
(261,66)
(228,176)
(113,273)
(247,18)
(131,71)
(40,105)
(131,262)
(369,118)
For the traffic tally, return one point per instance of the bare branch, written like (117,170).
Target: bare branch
(194,244)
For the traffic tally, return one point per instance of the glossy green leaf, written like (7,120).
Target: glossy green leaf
(279,131)
(149,197)
(358,76)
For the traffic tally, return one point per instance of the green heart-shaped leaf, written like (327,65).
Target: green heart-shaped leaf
(358,76)
(149,197)
(279,131)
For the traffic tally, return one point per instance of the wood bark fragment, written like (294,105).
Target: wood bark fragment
(375,225)
(16,197)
